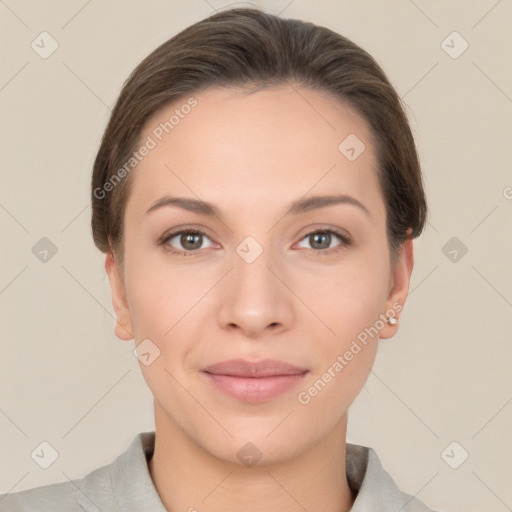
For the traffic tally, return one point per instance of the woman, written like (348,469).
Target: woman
(256,193)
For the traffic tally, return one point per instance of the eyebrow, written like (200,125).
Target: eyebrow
(297,207)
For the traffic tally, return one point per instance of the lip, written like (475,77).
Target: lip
(254,382)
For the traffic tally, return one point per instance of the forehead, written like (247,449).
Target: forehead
(235,147)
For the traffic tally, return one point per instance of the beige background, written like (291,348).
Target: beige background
(66,379)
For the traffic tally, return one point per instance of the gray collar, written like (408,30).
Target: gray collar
(133,488)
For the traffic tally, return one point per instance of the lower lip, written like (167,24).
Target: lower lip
(254,389)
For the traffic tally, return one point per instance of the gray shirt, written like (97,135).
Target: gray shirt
(125,485)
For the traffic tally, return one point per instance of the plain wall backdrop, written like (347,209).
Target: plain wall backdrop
(441,389)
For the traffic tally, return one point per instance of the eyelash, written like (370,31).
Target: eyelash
(346,241)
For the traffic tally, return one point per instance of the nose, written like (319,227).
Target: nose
(255,299)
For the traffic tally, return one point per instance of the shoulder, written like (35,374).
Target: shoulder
(124,484)
(375,488)
(74,495)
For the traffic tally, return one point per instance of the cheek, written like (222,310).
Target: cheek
(161,307)
(349,297)
(165,302)
(343,359)
(150,303)
(159,292)
(349,301)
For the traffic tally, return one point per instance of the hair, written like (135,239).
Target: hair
(245,47)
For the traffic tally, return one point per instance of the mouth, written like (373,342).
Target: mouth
(254,382)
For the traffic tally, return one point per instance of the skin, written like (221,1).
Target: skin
(251,155)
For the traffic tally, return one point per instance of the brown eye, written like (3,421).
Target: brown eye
(325,241)
(191,241)
(185,242)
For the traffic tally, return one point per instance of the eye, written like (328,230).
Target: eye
(190,240)
(321,241)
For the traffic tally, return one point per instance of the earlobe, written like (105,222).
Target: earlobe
(399,287)
(123,324)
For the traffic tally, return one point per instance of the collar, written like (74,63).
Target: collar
(134,490)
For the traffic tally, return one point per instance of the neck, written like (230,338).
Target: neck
(189,478)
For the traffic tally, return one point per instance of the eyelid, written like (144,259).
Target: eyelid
(318,226)
(184,228)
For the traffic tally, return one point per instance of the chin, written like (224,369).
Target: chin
(256,445)
(249,453)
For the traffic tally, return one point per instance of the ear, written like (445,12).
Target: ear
(123,327)
(399,286)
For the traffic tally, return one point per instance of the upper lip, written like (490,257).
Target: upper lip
(264,368)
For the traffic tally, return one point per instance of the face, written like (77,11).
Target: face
(252,267)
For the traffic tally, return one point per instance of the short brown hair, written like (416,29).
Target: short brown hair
(248,47)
